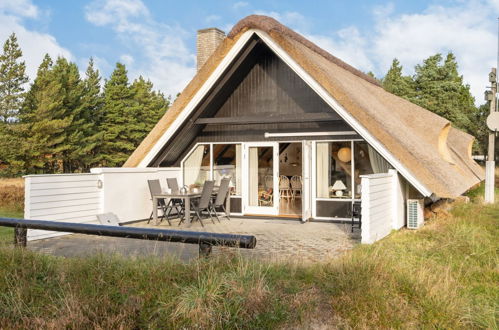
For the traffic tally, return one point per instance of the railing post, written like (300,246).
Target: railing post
(204,249)
(20,236)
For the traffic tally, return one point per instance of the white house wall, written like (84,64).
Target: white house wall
(79,198)
(126,192)
(383,205)
(67,197)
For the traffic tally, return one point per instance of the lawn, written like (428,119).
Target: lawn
(444,275)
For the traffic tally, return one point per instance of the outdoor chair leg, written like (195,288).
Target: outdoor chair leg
(225,212)
(199,217)
(212,208)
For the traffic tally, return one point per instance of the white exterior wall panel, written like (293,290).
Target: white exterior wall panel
(80,197)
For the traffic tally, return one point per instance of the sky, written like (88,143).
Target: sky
(156,39)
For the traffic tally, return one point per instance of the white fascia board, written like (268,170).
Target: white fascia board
(205,88)
(228,59)
(345,115)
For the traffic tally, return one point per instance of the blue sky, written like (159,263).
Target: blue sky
(156,39)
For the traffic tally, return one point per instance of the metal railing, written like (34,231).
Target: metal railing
(205,240)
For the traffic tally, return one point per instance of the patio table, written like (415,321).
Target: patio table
(187,202)
(184,196)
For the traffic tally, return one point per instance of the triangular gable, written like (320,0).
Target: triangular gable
(174,119)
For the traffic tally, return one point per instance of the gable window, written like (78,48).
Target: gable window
(214,161)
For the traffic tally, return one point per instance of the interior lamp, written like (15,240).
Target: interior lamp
(345,154)
(338,188)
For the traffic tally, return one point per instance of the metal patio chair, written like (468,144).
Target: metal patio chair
(177,203)
(219,202)
(357,214)
(155,189)
(202,204)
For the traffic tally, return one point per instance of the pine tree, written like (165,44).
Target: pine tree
(118,122)
(12,80)
(396,83)
(87,153)
(46,119)
(150,107)
(440,88)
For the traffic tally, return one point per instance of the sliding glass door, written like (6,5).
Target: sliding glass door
(261,166)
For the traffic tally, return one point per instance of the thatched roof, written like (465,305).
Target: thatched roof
(437,155)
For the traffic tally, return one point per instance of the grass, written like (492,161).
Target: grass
(444,275)
(11,204)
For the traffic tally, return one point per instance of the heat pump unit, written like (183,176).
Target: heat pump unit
(415,216)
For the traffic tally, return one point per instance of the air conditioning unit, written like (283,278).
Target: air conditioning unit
(415,213)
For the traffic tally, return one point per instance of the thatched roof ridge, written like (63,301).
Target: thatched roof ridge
(269,24)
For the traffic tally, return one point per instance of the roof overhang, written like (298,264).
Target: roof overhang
(284,56)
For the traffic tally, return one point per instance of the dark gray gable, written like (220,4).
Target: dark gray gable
(259,93)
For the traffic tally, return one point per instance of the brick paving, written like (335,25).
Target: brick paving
(277,239)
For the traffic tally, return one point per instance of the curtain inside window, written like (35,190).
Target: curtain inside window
(378,163)
(238,177)
(192,167)
(322,170)
(253,176)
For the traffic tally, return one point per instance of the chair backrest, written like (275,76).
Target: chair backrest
(222,191)
(172,184)
(268,181)
(296,182)
(204,200)
(155,189)
(357,208)
(283,182)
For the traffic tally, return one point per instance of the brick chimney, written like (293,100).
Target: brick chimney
(207,42)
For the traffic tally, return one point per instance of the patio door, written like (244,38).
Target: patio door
(260,174)
(306,181)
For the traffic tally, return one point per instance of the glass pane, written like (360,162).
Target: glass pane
(362,164)
(261,176)
(334,170)
(227,164)
(197,166)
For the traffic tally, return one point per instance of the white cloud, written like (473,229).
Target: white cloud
(240,4)
(127,59)
(348,45)
(167,62)
(212,18)
(34,44)
(468,29)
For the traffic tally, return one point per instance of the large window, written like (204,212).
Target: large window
(334,166)
(227,164)
(197,166)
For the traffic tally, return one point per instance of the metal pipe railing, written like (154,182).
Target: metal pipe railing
(204,239)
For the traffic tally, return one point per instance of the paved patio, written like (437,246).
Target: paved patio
(277,239)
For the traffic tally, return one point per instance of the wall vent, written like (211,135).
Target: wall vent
(415,217)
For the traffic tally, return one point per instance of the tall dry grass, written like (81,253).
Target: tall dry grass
(12,194)
(444,275)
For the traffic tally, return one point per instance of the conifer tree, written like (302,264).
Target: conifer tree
(87,153)
(12,80)
(396,83)
(46,119)
(118,119)
(150,107)
(440,88)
